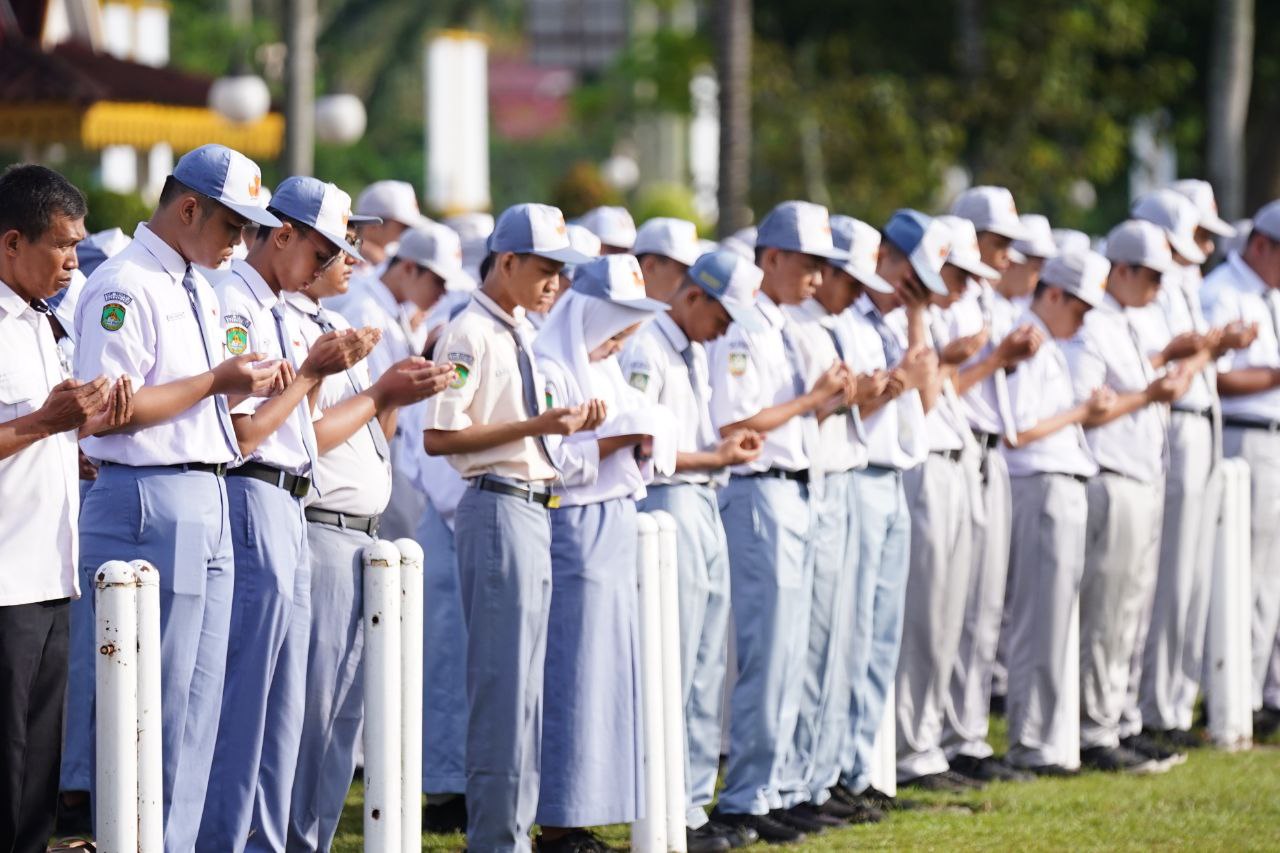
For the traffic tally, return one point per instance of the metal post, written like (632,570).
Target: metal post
(382,697)
(411,560)
(672,683)
(149,719)
(649,833)
(116,777)
(300,87)
(1228,665)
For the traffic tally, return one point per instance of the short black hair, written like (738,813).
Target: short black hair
(174,189)
(264,232)
(487,264)
(31,196)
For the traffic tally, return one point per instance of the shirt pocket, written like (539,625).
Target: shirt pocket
(19,396)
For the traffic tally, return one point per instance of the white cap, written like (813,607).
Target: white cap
(965,253)
(1201,195)
(473,229)
(1039,240)
(1082,274)
(743,242)
(1267,219)
(437,248)
(798,226)
(862,242)
(1177,215)
(613,225)
(393,200)
(1236,242)
(676,239)
(1140,243)
(583,240)
(1071,240)
(990,209)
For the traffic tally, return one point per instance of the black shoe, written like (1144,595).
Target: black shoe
(1053,771)
(577,841)
(74,819)
(1117,759)
(850,808)
(874,798)
(807,815)
(946,782)
(447,817)
(1175,739)
(837,807)
(1266,722)
(737,836)
(705,839)
(1152,749)
(989,769)
(765,827)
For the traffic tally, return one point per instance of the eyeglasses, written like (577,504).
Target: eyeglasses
(355,242)
(324,259)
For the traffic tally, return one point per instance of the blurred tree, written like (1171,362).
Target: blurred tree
(582,188)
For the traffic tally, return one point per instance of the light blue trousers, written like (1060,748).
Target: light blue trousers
(76,773)
(768,523)
(883,554)
(703,564)
(335,689)
(444,677)
(504,563)
(263,702)
(177,521)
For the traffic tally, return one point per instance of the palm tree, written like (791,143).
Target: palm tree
(733,68)
(1230,78)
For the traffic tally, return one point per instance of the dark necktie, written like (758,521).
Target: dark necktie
(375,429)
(219,400)
(893,352)
(854,415)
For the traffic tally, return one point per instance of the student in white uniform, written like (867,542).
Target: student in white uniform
(149,314)
(824,712)
(613,226)
(355,419)
(667,363)
(897,441)
(1245,290)
(758,384)
(666,248)
(260,729)
(1048,469)
(584,243)
(396,204)
(492,423)
(1125,498)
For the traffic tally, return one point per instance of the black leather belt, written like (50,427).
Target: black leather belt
(953,455)
(292,483)
(1199,413)
(218,469)
(362,523)
(989,440)
(801,476)
(1248,423)
(490,484)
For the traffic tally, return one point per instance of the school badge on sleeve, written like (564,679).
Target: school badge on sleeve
(639,380)
(460,375)
(237,340)
(737,363)
(112,316)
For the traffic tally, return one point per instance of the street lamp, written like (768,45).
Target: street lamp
(240,98)
(340,119)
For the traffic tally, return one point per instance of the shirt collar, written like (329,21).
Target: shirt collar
(812,309)
(302,302)
(772,313)
(381,293)
(514,319)
(168,257)
(257,284)
(678,339)
(10,302)
(1250,279)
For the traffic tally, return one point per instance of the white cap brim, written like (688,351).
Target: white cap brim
(1218,225)
(252,212)
(977,268)
(1187,248)
(342,243)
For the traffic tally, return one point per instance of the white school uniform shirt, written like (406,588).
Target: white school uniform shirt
(896,434)
(1040,388)
(652,364)
(982,305)
(39,485)
(369,302)
(1234,292)
(135,319)
(1175,310)
(489,389)
(751,372)
(814,326)
(249,326)
(357,481)
(945,423)
(1105,352)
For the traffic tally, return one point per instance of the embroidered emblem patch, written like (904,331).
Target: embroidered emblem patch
(237,340)
(461,373)
(112,316)
(737,363)
(639,381)
(550,401)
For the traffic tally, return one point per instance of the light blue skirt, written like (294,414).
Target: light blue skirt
(591,728)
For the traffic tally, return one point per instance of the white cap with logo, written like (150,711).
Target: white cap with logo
(672,238)
(862,242)
(1201,195)
(965,253)
(613,225)
(1082,274)
(1177,215)
(1139,243)
(396,201)
(437,248)
(990,209)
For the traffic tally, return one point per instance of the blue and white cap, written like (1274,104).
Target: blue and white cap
(438,248)
(229,178)
(321,206)
(618,279)
(535,229)
(926,243)
(1177,215)
(613,225)
(733,281)
(862,242)
(799,226)
(965,253)
(672,238)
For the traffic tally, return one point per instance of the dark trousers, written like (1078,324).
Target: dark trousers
(33,686)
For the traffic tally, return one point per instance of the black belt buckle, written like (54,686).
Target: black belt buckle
(300,487)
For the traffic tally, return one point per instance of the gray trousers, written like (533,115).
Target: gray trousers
(1261,449)
(969,696)
(1175,638)
(1115,595)
(937,580)
(1050,515)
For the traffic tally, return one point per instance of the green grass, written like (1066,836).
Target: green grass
(1216,801)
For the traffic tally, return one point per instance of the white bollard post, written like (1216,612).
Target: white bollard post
(649,833)
(382,698)
(149,720)
(673,728)
(1243,605)
(116,777)
(1069,702)
(411,559)
(1228,668)
(884,763)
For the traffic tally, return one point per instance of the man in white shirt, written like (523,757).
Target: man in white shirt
(666,248)
(395,203)
(41,410)
(1048,469)
(613,226)
(260,730)
(1125,498)
(1245,289)
(666,362)
(148,313)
